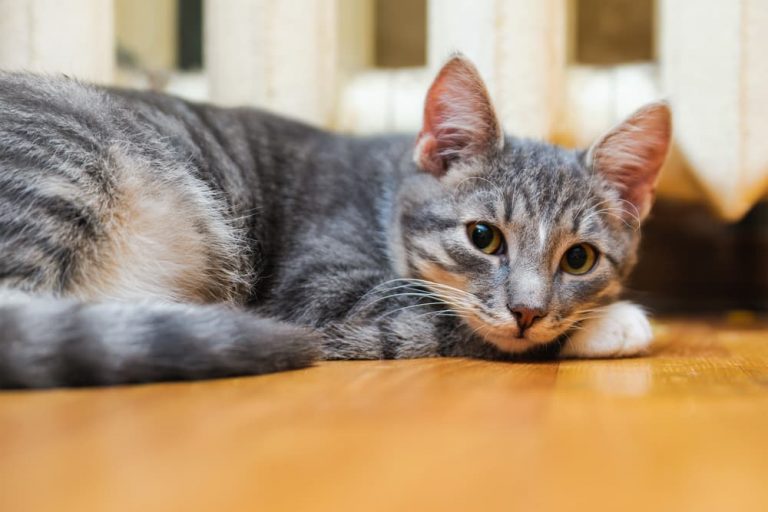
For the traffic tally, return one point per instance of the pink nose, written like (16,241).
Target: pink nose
(526,316)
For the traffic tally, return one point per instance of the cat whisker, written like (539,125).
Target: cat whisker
(409,291)
(368,305)
(414,283)
(451,295)
(628,210)
(479,330)
(434,314)
(380,288)
(499,192)
(431,283)
(405,308)
(610,212)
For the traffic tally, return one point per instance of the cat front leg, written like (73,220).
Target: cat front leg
(404,332)
(622,330)
(396,319)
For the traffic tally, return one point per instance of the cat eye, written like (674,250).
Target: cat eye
(486,237)
(579,259)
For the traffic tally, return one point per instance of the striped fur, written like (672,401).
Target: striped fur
(144,238)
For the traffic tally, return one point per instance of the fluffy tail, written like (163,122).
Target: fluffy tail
(51,343)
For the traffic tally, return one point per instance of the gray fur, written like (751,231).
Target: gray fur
(296,227)
(54,342)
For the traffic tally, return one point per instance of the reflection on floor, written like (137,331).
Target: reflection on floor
(684,429)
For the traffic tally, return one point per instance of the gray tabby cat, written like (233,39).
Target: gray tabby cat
(145,238)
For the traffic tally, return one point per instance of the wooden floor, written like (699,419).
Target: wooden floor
(685,429)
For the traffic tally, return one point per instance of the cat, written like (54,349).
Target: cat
(145,238)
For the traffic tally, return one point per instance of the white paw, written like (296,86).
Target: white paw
(622,330)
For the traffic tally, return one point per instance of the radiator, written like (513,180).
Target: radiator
(313,60)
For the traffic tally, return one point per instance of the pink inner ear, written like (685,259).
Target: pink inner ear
(459,121)
(631,155)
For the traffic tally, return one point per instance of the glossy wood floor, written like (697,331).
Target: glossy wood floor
(685,429)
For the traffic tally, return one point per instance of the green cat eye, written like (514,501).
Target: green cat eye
(485,237)
(579,259)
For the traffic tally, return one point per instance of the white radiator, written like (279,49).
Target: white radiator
(313,60)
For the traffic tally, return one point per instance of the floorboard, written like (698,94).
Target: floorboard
(683,429)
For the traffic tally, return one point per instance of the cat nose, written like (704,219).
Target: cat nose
(526,316)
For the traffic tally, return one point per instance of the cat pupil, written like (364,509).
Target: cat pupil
(577,257)
(485,237)
(482,236)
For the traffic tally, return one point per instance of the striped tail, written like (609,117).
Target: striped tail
(46,342)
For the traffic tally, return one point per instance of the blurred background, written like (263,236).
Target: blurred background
(564,70)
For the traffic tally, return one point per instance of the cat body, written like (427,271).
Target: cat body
(145,238)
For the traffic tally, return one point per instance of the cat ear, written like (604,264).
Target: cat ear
(459,121)
(630,156)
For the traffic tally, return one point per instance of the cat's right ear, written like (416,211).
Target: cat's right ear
(459,120)
(630,156)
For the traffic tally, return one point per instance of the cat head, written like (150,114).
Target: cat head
(523,239)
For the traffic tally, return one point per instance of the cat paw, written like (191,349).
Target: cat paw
(622,330)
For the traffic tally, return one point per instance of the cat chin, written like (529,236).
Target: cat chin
(510,344)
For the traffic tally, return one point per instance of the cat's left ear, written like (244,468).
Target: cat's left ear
(630,156)
(459,120)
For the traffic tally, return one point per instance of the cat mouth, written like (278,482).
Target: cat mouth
(510,340)
(508,336)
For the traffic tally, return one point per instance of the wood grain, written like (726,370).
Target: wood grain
(684,429)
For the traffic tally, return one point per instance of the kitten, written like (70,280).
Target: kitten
(145,238)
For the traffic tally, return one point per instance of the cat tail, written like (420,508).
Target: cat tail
(47,342)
